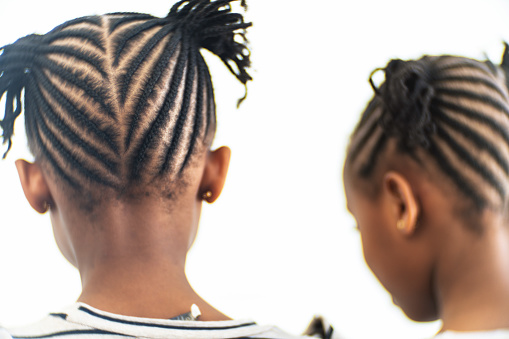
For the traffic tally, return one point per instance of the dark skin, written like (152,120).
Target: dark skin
(424,252)
(131,254)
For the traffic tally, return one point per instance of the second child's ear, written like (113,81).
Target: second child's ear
(34,185)
(402,201)
(214,174)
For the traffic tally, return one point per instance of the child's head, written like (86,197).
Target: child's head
(122,105)
(120,115)
(427,171)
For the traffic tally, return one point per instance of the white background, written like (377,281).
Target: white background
(279,245)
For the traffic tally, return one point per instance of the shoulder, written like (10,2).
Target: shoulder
(53,325)
(274,333)
(84,321)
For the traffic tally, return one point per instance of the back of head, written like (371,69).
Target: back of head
(450,115)
(123,101)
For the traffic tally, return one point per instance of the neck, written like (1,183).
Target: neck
(132,258)
(473,290)
(138,287)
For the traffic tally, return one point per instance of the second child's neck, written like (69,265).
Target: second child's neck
(474,294)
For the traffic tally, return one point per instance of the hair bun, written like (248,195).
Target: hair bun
(406,96)
(214,27)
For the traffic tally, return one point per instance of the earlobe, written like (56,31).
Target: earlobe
(34,185)
(214,174)
(404,203)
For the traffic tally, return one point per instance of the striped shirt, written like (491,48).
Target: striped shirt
(83,321)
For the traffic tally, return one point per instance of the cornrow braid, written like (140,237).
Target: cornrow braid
(453,109)
(122,98)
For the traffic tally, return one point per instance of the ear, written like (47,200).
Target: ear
(403,202)
(214,174)
(34,185)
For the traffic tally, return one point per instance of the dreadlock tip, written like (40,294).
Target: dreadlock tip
(241,100)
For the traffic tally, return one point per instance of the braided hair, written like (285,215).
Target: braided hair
(123,98)
(452,110)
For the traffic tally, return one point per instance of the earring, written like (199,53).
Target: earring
(400,225)
(207,195)
(46,205)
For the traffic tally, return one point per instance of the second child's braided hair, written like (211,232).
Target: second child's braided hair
(449,110)
(124,98)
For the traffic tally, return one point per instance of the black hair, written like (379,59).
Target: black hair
(452,109)
(121,98)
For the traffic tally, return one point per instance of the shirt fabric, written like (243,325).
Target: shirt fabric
(496,334)
(4,334)
(85,322)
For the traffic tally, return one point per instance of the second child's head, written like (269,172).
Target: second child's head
(426,178)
